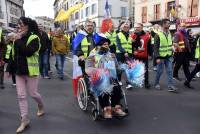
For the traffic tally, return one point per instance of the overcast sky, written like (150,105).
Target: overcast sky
(39,8)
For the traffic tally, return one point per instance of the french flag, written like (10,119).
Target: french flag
(77,40)
(107,22)
(107,13)
(77,72)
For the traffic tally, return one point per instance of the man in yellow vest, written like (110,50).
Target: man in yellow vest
(111,35)
(163,55)
(197,67)
(2,55)
(87,44)
(182,52)
(124,47)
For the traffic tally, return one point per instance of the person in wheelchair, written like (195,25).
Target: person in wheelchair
(110,102)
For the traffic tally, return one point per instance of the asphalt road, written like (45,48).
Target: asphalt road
(151,111)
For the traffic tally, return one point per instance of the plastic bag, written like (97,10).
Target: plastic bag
(134,71)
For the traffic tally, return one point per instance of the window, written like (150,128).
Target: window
(170,7)
(94,8)
(87,11)
(77,15)
(157,12)
(193,8)
(144,14)
(123,12)
(82,13)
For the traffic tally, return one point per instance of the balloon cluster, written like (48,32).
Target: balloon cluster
(100,82)
(134,71)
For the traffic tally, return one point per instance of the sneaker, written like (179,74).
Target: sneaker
(187,84)
(2,87)
(147,86)
(120,83)
(129,86)
(62,78)
(157,87)
(14,85)
(177,78)
(118,111)
(154,68)
(172,89)
(198,75)
(47,77)
(40,111)
(24,124)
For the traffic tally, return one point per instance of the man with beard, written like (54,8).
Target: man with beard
(142,48)
(182,52)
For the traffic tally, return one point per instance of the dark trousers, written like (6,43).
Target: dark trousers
(181,59)
(1,75)
(14,78)
(121,59)
(115,97)
(196,70)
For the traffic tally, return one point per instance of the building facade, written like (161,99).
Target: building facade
(155,10)
(93,10)
(46,22)
(10,12)
(148,10)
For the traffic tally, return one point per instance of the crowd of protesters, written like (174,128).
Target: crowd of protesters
(25,55)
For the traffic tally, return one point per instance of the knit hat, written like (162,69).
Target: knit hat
(102,41)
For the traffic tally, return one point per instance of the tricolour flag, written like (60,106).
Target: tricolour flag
(77,40)
(107,22)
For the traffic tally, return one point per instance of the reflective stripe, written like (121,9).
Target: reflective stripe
(33,61)
(111,37)
(9,48)
(152,40)
(84,46)
(197,50)
(0,34)
(165,44)
(126,44)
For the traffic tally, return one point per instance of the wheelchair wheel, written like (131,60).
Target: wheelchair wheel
(95,115)
(82,94)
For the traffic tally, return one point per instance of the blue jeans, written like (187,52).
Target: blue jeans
(43,60)
(168,67)
(60,60)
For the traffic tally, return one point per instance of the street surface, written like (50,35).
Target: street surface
(151,111)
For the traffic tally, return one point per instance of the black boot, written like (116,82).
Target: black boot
(187,84)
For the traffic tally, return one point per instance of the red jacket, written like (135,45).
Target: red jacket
(141,48)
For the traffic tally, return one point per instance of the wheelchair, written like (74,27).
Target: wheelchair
(86,99)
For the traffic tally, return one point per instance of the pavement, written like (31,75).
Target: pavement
(151,111)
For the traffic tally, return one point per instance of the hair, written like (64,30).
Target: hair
(164,21)
(88,21)
(140,24)
(32,25)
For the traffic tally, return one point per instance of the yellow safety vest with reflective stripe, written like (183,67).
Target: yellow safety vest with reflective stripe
(9,48)
(197,50)
(165,45)
(126,44)
(111,37)
(0,34)
(152,40)
(33,63)
(84,46)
